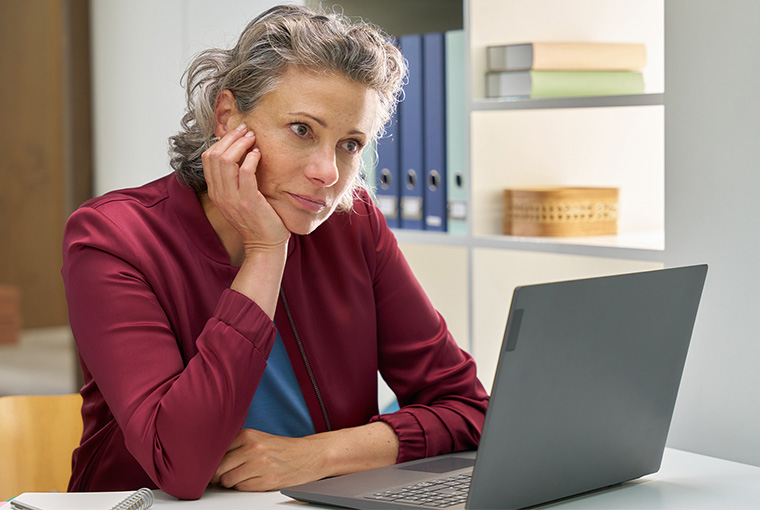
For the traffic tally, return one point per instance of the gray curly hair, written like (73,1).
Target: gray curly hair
(281,37)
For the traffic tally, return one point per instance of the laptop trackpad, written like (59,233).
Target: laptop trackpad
(440,465)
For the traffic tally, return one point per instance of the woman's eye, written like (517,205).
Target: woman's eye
(351,146)
(300,129)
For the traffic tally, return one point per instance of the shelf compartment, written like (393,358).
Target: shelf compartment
(588,147)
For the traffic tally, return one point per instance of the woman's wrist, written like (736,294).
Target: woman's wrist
(257,248)
(358,449)
(260,275)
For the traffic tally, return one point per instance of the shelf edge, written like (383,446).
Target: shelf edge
(654,99)
(506,243)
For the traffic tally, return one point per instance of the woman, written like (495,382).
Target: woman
(231,318)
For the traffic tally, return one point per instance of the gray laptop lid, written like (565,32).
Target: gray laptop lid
(586,385)
(583,394)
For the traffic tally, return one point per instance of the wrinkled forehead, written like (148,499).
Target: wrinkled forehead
(326,95)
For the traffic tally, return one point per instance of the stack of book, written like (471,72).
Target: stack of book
(419,179)
(564,69)
(10,315)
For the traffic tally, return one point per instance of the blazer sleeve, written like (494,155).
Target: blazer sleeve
(177,417)
(442,402)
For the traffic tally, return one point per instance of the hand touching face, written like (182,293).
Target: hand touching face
(310,132)
(230,167)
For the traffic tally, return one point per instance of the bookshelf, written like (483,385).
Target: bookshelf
(589,141)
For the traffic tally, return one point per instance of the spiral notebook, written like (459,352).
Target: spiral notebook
(120,500)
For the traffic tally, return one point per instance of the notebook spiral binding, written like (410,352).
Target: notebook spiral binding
(139,500)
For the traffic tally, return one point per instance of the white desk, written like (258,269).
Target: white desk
(686,481)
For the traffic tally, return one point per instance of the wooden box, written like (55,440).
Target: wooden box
(560,211)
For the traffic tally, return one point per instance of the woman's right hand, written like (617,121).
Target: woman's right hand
(230,169)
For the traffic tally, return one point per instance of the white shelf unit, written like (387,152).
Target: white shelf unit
(615,141)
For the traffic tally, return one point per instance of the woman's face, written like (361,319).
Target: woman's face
(310,130)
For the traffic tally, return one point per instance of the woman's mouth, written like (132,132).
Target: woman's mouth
(309,203)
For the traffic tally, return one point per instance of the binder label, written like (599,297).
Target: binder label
(411,208)
(434,221)
(457,210)
(388,205)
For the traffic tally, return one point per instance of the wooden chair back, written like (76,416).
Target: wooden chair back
(37,436)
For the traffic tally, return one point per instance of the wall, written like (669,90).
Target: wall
(45,142)
(140,50)
(712,140)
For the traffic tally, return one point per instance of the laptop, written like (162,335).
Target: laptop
(582,400)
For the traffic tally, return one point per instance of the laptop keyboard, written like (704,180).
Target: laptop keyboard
(440,493)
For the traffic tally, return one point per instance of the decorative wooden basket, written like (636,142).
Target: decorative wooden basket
(560,211)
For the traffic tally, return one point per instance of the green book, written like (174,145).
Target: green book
(544,84)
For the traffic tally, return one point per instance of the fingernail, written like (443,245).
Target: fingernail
(241,127)
(255,149)
(249,134)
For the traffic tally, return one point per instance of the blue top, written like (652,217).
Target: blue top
(278,406)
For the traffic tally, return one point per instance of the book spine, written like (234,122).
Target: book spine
(585,83)
(589,56)
(549,84)
(567,56)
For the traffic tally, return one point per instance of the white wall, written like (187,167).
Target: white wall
(712,161)
(140,49)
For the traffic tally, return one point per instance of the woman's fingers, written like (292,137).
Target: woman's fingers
(222,161)
(230,137)
(257,461)
(230,166)
(247,183)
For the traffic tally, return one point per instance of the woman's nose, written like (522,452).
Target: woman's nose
(322,167)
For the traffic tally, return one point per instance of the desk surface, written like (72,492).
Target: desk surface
(685,481)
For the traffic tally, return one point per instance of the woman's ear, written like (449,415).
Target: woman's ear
(225,112)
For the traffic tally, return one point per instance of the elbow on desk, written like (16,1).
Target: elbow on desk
(182,478)
(179,462)
(181,489)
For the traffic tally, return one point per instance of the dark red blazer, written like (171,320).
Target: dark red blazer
(171,356)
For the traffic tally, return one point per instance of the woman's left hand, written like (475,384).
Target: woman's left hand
(257,461)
